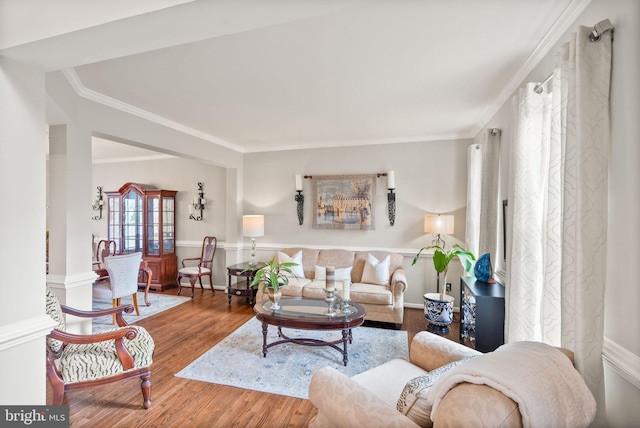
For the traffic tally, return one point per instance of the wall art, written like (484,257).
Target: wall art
(344,202)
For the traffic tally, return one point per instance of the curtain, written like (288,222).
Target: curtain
(483,162)
(558,194)
(474,189)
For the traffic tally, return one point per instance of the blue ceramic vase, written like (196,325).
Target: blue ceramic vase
(483,270)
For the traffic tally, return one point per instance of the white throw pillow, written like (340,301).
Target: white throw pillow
(413,399)
(341,274)
(297,270)
(375,271)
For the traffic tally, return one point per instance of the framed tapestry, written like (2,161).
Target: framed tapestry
(344,202)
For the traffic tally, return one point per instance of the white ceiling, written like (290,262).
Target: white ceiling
(281,74)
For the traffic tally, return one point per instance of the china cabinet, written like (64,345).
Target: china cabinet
(142,218)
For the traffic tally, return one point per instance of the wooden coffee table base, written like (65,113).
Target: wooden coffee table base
(346,338)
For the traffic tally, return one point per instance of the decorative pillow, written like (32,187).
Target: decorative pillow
(413,399)
(375,271)
(297,270)
(342,274)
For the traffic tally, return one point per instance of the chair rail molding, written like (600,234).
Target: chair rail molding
(71,281)
(623,361)
(15,334)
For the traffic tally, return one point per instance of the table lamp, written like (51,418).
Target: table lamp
(253,227)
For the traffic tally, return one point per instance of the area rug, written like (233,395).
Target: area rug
(159,303)
(287,369)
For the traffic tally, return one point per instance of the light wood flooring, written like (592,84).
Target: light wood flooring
(182,334)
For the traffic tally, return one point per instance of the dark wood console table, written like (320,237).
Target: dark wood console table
(244,274)
(481,314)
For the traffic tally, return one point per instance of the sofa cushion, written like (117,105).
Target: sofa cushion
(297,270)
(387,380)
(361,259)
(413,399)
(371,294)
(376,271)
(341,274)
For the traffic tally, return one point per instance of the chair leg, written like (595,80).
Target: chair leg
(193,285)
(211,283)
(146,389)
(135,303)
(114,303)
(179,285)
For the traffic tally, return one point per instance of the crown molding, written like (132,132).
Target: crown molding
(105,100)
(564,22)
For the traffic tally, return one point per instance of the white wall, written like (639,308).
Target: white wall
(622,341)
(181,175)
(23,323)
(430,178)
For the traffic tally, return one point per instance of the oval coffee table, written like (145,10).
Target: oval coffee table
(309,314)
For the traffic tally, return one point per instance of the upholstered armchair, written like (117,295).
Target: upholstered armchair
(83,361)
(122,280)
(446,384)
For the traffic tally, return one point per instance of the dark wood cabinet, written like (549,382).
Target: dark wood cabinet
(481,314)
(142,218)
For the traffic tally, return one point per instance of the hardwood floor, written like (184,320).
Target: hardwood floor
(181,335)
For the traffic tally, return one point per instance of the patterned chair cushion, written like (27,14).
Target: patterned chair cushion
(55,312)
(98,360)
(193,270)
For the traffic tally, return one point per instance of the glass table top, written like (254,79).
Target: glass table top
(307,308)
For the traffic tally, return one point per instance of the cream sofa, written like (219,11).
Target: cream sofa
(384,302)
(540,377)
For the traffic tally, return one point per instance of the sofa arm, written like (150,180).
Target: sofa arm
(398,282)
(342,402)
(468,405)
(430,351)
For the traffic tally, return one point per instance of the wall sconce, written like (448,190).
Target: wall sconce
(391,197)
(253,227)
(299,199)
(98,204)
(197,204)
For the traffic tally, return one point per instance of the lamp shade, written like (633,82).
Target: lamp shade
(438,224)
(253,225)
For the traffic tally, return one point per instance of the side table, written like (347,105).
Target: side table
(244,274)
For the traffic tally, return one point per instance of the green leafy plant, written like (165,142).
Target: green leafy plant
(442,257)
(273,275)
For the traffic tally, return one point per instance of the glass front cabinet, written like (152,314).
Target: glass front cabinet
(142,218)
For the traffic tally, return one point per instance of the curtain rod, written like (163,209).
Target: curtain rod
(599,29)
(538,88)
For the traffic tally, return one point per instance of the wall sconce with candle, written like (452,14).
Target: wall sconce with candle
(98,204)
(197,204)
(299,198)
(253,227)
(391,197)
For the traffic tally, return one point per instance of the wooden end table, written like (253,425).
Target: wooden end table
(242,288)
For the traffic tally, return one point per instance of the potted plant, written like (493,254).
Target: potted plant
(273,276)
(439,307)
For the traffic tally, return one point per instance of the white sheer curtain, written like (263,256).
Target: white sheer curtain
(558,197)
(483,162)
(474,190)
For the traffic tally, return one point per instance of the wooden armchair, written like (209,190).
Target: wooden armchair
(204,266)
(83,361)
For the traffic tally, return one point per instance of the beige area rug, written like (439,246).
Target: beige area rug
(287,368)
(159,303)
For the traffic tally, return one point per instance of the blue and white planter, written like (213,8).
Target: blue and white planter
(439,313)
